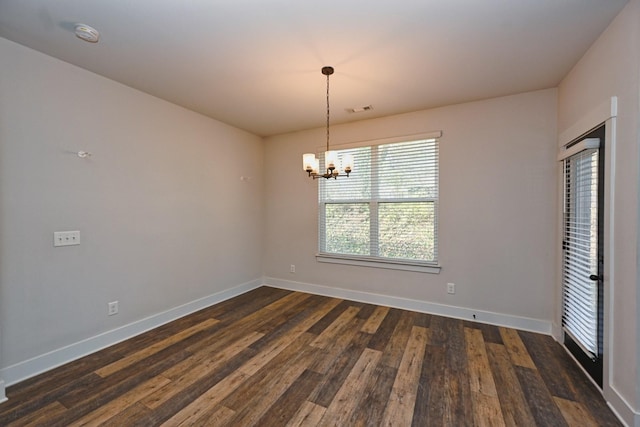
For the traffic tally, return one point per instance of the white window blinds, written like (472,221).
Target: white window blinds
(580,293)
(387,208)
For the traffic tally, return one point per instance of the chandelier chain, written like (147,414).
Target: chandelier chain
(327,112)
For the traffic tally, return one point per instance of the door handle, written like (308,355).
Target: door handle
(595,277)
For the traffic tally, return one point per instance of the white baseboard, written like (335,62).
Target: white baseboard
(621,407)
(42,363)
(556,332)
(516,322)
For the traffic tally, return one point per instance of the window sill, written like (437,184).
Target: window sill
(378,263)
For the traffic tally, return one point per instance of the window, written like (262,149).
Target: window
(385,213)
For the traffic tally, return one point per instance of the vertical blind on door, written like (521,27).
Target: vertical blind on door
(580,244)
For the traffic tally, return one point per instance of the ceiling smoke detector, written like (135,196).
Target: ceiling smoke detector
(359,109)
(87,33)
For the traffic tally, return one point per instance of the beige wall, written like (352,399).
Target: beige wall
(612,68)
(497,213)
(166,219)
(164,216)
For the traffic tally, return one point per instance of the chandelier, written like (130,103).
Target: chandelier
(334,165)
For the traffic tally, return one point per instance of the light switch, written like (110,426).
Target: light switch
(66,238)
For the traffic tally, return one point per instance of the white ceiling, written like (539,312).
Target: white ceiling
(255,64)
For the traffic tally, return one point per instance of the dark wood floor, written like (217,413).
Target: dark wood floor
(274,358)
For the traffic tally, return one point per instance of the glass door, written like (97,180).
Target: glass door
(582,267)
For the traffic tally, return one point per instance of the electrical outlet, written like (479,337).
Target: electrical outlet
(451,288)
(112,308)
(292,269)
(66,238)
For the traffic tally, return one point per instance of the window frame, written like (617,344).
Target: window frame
(373,202)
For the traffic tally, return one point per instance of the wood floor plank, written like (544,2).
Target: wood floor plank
(329,317)
(517,350)
(547,360)
(236,308)
(279,375)
(153,349)
(220,417)
(270,311)
(202,404)
(287,405)
(309,415)
(221,346)
(340,368)
(486,410)
(129,417)
(376,391)
(347,398)
(422,319)
(393,352)
(249,361)
(197,371)
(238,327)
(292,299)
(244,394)
(515,409)
(480,377)
(441,330)
(330,333)
(132,374)
(276,347)
(486,405)
(289,314)
(51,381)
(305,321)
(373,322)
(194,390)
(429,408)
(269,392)
(336,347)
(94,398)
(40,416)
(457,393)
(234,326)
(490,333)
(543,407)
(24,405)
(575,414)
(382,336)
(366,310)
(401,402)
(570,379)
(586,392)
(115,406)
(210,358)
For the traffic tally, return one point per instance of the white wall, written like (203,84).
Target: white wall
(497,208)
(164,216)
(611,67)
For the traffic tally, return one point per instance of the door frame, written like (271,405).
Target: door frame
(606,114)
